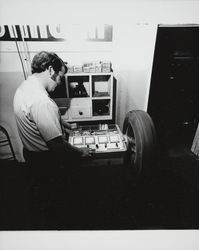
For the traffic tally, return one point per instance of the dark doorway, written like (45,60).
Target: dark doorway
(174,91)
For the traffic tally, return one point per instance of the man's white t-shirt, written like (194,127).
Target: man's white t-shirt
(37,116)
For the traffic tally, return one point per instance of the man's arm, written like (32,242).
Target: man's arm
(60,147)
(47,121)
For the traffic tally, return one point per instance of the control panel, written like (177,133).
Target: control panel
(102,138)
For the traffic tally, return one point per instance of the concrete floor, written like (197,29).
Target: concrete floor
(104,197)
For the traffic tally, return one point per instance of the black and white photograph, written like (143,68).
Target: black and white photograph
(99,124)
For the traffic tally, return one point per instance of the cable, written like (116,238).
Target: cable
(26,51)
(19,53)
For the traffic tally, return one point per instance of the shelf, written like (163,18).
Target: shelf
(101,107)
(101,98)
(91,96)
(88,74)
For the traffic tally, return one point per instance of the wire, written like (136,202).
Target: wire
(26,51)
(19,53)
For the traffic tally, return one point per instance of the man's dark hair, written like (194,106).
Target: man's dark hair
(42,60)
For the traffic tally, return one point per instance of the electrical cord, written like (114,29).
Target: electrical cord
(19,53)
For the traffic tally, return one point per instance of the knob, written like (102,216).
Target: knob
(80,112)
(97,146)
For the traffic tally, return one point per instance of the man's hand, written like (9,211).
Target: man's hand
(68,125)
(86,152)
(73,125)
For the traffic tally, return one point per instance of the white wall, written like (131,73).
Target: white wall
(131,52)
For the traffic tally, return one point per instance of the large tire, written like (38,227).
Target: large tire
(140,132)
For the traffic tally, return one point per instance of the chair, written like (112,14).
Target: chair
(5,141)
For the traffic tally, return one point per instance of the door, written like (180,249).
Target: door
(174,91)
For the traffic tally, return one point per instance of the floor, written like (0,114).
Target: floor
(104,197)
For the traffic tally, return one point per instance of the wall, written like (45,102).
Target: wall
(131,52)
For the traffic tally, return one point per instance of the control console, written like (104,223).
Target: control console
(102,138)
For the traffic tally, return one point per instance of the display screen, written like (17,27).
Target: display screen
(78,140)
(89,140)
(102,139)
(114,138)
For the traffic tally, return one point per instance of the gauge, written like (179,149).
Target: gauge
(89,140)
(102,139)
(114,138)
(78,140)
